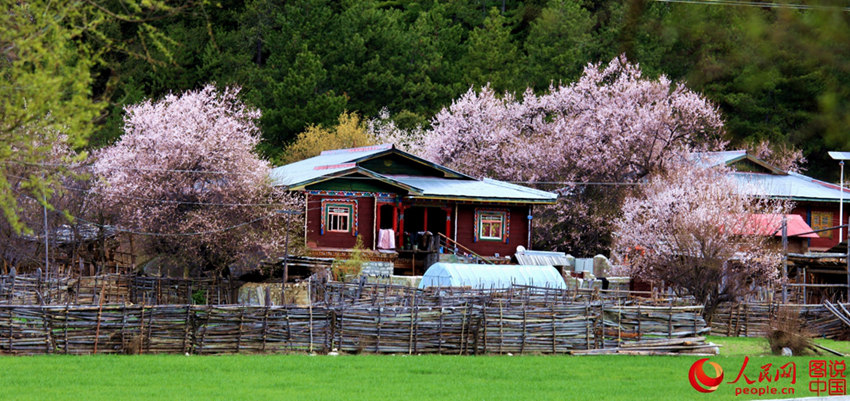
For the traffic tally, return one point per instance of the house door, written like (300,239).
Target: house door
(420,218)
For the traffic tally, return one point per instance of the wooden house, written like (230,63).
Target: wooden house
(394,201)
(816,201)
(815,276)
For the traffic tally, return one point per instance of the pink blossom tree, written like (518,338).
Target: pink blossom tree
(185,174)
(783,156)
(612,126)
(687,228)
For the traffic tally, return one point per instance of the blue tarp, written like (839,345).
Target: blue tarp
(490,276)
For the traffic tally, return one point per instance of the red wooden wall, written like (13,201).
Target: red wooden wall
(518,235)
(366,214)
(805,210)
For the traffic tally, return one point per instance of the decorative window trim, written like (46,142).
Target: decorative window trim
(347,203)
(382,196)
(503,214)
(821,220)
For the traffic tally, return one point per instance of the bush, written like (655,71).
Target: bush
(787,330)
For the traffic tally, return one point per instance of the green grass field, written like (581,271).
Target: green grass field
(384,377)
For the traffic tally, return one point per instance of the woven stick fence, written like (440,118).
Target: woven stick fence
(465,329)
(753,320)
(113,288)
(372,294)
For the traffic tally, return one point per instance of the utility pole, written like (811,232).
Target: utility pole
(847,259)
(785,259)
(285,277)
(841,157)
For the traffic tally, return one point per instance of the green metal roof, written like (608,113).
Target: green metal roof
(452,185)
(777,183)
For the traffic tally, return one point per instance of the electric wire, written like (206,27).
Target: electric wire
(760,4)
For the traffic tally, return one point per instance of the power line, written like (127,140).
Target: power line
(187,234)
(168,201)
(145,169)
(184,171)
(759,4)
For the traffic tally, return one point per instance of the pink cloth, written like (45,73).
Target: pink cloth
(386,239)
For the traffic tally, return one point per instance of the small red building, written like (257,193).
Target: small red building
(391,198)
(817,202)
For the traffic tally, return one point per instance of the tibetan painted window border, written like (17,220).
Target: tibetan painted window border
(341,202)
(506,227)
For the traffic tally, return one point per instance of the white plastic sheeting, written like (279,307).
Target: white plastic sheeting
(490,276)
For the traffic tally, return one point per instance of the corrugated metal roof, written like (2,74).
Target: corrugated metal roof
(711,159)
(771,225)
(327,163)
(342,162)
(784,185)
(542,258)
(435,187)
(793,186)
(490,276)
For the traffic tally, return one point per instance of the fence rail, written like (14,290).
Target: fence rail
(456,329)
(112,288)
(753,320)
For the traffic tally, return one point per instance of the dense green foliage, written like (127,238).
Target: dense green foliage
(777,74)
(381,377)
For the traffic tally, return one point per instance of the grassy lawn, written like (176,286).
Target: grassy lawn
(384,377)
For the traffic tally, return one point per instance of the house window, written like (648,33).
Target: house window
(339,216)
(492,225)
(821,220)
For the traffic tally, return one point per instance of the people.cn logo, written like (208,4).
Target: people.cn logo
(702,382)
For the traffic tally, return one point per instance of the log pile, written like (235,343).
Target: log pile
(675,346)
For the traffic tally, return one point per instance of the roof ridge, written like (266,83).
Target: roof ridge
(383,146)
(515,186)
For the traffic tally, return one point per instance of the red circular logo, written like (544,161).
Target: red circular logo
(702,382)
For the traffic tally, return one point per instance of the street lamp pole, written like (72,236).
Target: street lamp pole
(841,157)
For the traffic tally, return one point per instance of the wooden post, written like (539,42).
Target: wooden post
(378,339)
(288,328)
(99,311)
(484,323)
(66,328)
(425,219)
(150,328)
(11,333)
(805,288)
(186,343)
(454,232)
(554,330)
(265,327)
(375,221)
(400,216)
(448,222)
(524,327)
(587,325)
(310,312)
(439,333)
(670,321)
(142,329)
(462,330)
(239,333)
